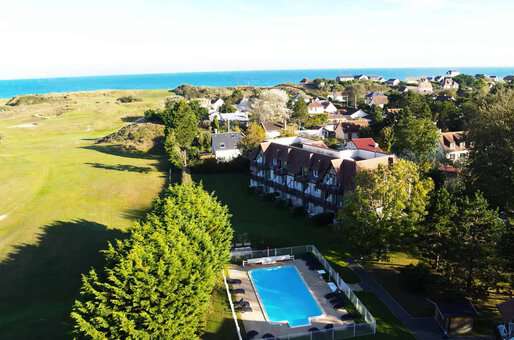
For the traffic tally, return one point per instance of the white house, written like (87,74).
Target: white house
(452,146)
(244,105)
(216,104)
(315,107)
(338,97)
(377,79)
(225,146)
(424,86)
(328,107)
(237,116)
(447,83)
(359,114)
(361,77)
(393,82)
(344,78)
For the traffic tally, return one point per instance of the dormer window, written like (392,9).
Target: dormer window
(462,144)
(222,145)
(315,173)
(452,145)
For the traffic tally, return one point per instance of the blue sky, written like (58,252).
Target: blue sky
(79,37)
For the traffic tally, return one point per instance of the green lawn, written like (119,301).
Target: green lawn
(268,225)
(61,199)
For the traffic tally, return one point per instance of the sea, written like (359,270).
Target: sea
(11,88)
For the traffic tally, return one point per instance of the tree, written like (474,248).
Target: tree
(386,208)
(227,108)
(216,123)
(181,129)
(255,135)
(201,112)
(434,236)
(271,105)
(415,139)
(157,283)
(300,111)
(491,159)
(473,262)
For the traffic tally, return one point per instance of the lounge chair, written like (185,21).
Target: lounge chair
(338,305)
(237,290)
(331,295)
(329,326)
(243,308)
(251,334)
(268,336)
(313,329)
(234,281)
(347,316)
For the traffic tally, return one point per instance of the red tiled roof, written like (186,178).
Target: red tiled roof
(367,144)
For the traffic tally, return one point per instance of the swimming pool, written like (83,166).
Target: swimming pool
(284,296)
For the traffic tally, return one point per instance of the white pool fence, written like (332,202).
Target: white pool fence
(338,332)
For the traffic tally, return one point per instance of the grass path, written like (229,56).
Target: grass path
(61,199)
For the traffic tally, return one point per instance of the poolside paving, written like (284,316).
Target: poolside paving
(256,320)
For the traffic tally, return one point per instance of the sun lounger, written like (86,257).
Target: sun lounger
(237,290)
(251,334)
(233,281)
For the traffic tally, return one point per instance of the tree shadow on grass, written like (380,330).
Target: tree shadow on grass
(38,283)
(121,167)
(131,119)
(119,150)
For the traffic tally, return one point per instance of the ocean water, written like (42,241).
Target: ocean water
(10,88)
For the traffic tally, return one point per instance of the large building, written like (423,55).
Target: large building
(310,175)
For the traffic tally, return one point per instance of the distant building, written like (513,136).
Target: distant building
(452,146)
(238,116)
(508,79)
(449,84)
(272,129)
(225,146)
(424,86)
(376,99)
(344,78)
(361,77)
(452,73)
(366,144)
(216,104)
(244,104)
(393,82)
(377,79)
(321,106)
(358,114)
(347,131)
(338,97)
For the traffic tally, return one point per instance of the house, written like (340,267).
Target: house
(376,99)
(424,86)
(244,105)
(452,73)
(361,77)
(315,107)
(452,146)
(366,144)
(309,176)
(494,79)
(358,114)
(338,97)
(216,104)
(508,79)
(272,129)
(455,317)
(318,106)
(393,82)
(305,81)
(225,146)
(377,79)
(449,84)
(346,131)
(344,78)
(238,116)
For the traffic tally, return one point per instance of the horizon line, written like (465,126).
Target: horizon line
(248,70)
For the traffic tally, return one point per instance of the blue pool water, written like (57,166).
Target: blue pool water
(284,295)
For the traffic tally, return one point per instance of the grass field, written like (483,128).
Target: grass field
(61,199)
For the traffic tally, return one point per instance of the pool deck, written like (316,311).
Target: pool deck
(256,320)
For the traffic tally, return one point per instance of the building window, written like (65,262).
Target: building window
(222,145)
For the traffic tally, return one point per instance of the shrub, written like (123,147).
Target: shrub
(299,211)
(128,99)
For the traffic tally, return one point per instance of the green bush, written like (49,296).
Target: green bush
(323,219)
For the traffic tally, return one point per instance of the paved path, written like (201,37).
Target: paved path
(422,328)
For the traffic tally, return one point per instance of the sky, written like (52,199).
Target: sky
(54,38)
